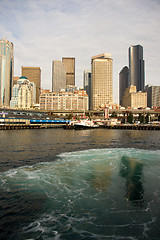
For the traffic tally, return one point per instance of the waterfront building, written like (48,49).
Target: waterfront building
(34,75)
(69,64)
(153,96)
(70,88)
(64,101)
(44,91)
(6,72)
(123,83)
(101,80)
(24,94)
(136,67)
(58,76)
(87,84)
(134,99)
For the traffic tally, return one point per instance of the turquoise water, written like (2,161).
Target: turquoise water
(111,193)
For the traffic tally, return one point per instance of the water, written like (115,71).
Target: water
(96,184)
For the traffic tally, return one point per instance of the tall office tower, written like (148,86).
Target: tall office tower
(153,95)
(58,76)
(34,75)
(6,72)
(136,67)
(69,64)
(123,83)
(87,84)
(101,80)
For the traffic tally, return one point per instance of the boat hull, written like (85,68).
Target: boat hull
(79,127)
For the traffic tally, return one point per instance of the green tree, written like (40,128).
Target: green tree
(114,115)
(141,118)
(147,118)
(130,118)
(70,116)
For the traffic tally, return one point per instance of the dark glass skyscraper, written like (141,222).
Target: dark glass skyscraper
(136,67)
(123,83)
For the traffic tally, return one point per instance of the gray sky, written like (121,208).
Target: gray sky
(47,30)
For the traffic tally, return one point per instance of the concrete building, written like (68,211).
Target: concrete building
(24,94)
(87,84)
(101,80)
(15,79)
(70,88)
(64,101)
(58,76)
(14,99)
(6,72)
(34,75)
(123,83)
(69,64)
(153,96)
(136,67)
(134,99)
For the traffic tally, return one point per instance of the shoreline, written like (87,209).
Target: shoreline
(46,126)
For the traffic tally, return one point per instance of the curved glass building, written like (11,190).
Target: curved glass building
(136,67)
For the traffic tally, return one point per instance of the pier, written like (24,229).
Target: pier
(30,126)
(21,123)
(132,126)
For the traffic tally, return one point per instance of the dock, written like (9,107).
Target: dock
(132,126)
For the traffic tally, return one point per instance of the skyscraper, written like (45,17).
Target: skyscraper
(153,95)
(87,84)
(34,75)
(6,72)
(136,67)
(123,83)
(101,80)
(58,76)
(69,64)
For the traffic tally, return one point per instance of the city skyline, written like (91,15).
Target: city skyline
(81,29)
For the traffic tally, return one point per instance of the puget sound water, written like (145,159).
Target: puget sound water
(87,184)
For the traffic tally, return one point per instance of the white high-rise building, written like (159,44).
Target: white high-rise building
(101,81)
(58,76)
(24,94)
(6,72)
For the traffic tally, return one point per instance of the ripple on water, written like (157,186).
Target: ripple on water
(92,194)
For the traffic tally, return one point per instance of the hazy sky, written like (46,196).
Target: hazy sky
(47,30)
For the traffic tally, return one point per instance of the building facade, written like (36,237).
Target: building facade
(87,84)
(153,96)
(15,79)
(69,64)
(24,94)
(136,67)
(101,81)
(34,75)
(6,72)
(123,83)
(134,99)
(64,101)
(58,76)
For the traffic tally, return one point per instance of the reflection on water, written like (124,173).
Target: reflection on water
(102,177)
(131,169)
